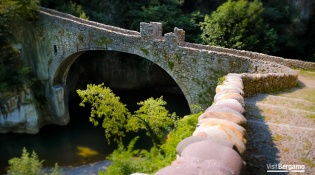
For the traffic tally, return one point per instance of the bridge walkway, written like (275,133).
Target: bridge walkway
(281,127)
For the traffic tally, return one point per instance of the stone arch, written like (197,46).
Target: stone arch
(62,68)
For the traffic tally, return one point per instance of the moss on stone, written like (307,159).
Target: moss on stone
(145,51)
(171,64)
(103,41)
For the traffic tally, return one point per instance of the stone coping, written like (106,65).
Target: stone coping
(292,63)
(218,144)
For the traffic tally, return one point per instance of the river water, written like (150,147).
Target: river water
(80,143)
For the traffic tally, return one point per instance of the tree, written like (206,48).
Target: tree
(104,104)
(238,24)
(152,116)
(13,14)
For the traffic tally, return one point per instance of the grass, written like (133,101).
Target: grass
(308,162)
(286,150)
(311,116)
(277,137)
(309,74)
(307,145)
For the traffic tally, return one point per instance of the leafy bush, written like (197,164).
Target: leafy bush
(129,160)
(28,164)
(152,116)
(74,9)
(186,126)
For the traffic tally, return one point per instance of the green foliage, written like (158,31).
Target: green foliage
(295,35)
(105,105)
(221,80)
(123,161)
(29,164)
(130,160)
(239,25)
(153,117)
(186,126)
(167,12)
(13,72)
(74,9)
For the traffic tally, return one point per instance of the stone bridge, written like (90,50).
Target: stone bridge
(58,39)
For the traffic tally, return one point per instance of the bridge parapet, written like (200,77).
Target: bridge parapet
(177,37)
(152,30)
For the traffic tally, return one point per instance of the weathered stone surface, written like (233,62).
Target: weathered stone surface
(236,83)
(237,119)
(224,131)
(20,113)
(236,109)
(235,96)
(259,83)
(222,108)
(225,155)
(230,101)
(193,139)
(195,166)
(229,89)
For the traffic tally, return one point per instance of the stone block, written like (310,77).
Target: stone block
(224,131)
(208,150)
(193,139)
(232,88)
(222,108)
(235,96)
(195,166)
(240,120)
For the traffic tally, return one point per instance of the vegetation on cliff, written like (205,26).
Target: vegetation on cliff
(13,13)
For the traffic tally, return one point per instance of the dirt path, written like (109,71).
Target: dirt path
(281,128)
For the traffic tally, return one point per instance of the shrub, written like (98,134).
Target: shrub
(29,164)
(129,160)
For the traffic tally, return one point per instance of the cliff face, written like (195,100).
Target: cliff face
(19,112)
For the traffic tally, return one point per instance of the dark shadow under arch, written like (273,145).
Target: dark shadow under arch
(119,71)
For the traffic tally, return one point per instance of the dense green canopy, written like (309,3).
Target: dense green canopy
(239,25)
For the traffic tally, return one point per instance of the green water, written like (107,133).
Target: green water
(80,142)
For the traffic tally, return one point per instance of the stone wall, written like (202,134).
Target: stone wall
(263,83)
(218,145)
(295,64)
